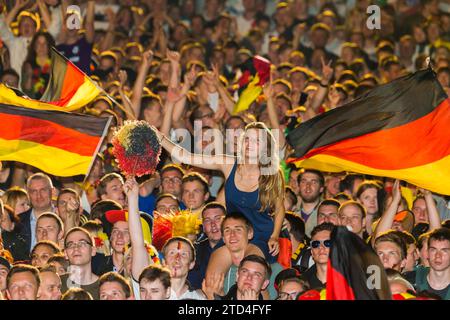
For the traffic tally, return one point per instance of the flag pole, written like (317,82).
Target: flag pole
(104,134)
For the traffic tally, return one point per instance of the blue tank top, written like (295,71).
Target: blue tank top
(248,204)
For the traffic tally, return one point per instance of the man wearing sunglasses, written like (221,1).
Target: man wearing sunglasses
(316,276)
(79,251)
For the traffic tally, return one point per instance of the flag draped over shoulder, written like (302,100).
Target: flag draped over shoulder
(255,73)
(59,143)
(68,89)
(354,271)
(399,130)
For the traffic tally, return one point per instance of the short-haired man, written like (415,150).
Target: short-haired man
(167,203)
(40,189)
(212,215)
(154,283)
(252,278)
(113,286)
(22,283)
(49,227)
(171,178)
(352,214)
(111,188)
(179,258)
(311,186)
(79,250)
(391,248)
(237,231)
(316,276)
(195,192)
(328,211)
(436,278)
(50,287)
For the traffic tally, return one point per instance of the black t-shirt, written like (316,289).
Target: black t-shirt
(441,293)
(310,276)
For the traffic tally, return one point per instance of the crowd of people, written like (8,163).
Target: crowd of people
(207,223)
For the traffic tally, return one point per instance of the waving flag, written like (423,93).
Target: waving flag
(68,89)
(354,271)
(255,73)
(59,143)
(398,130)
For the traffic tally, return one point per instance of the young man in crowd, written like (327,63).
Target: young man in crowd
(179,258)
(316,276)
(79,250)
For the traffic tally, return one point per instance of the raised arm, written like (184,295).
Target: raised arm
(387,219)
(45,14)
(279,213)
(179,107)
(433,213)
(139,251)
(223,92)
(90,16)
(108,40)
(126,101)
(219,162)
(319,97)
(136,96)
(273,116)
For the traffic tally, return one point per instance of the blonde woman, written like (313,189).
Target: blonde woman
(254,187)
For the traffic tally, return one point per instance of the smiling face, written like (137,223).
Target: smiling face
(236,235)
(194,195)
(120,236)
(212,219)
(114,191)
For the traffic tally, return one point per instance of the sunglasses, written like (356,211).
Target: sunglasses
(316,243)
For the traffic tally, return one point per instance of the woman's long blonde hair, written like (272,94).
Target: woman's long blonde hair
(271,179)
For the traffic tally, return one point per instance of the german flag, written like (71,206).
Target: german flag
(59,143)
(354,271)
(68,89)
(255,73)
(398,130)
(285,253)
